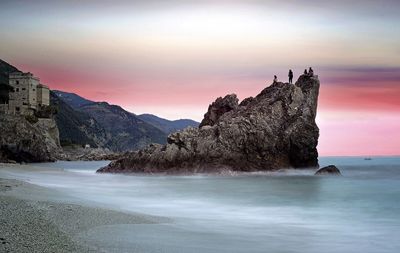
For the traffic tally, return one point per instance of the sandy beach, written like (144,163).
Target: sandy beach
(29,222)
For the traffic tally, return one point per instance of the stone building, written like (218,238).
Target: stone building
(28,96)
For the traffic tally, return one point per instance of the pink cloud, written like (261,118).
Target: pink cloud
(360,134)
(383,96)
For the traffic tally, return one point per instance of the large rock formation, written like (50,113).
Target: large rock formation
(274,130)
(23,141)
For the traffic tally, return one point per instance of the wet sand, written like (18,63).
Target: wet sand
(39,219)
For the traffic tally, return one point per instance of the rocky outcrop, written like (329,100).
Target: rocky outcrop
(274,130)
(329,170)
(23,141)
(219,108)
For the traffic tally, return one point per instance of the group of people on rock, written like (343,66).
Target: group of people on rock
(290,75)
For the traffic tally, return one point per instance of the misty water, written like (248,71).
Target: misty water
(287,211)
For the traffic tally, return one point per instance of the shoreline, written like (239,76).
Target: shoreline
(30,222)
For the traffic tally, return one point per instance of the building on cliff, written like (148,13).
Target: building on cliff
(27,97)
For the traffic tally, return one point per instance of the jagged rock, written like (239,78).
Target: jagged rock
(274,130)
(246,101)
(218,108)
(23,141)
(329,170)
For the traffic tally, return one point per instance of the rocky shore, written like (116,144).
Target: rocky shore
(274,130)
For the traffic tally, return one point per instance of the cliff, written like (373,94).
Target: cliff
(274,130)
(23,141)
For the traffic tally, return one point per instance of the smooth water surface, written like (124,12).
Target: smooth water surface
(288,211)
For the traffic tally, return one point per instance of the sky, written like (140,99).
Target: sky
(173,58)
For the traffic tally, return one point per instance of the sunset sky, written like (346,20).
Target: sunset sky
(173,58)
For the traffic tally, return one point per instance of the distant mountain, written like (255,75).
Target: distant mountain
(101,124)
(77,127)
(72,99)
(168,126)
(127,130)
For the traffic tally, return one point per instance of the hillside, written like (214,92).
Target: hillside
(127,131)
(168,126)
(72,99)
(77,127)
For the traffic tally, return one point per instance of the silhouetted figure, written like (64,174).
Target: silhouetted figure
(290,76)
(310,72)
(275,79)
(305,72)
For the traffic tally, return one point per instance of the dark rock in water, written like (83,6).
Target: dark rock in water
(328,170)
(274,130)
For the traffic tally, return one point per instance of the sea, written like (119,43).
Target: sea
(283,211)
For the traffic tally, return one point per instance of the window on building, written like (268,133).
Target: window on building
(17,109)
(24,103)
(17,82)
(23,89)
(17,89)
(33,89)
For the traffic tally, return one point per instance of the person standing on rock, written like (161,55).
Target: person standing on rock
(290,76)
(310,72)
(305,72)
(275,79)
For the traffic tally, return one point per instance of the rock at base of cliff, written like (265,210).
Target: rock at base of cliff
(23,141)
(329,170)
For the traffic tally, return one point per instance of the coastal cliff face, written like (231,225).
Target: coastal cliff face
(274,130)
(22,141)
